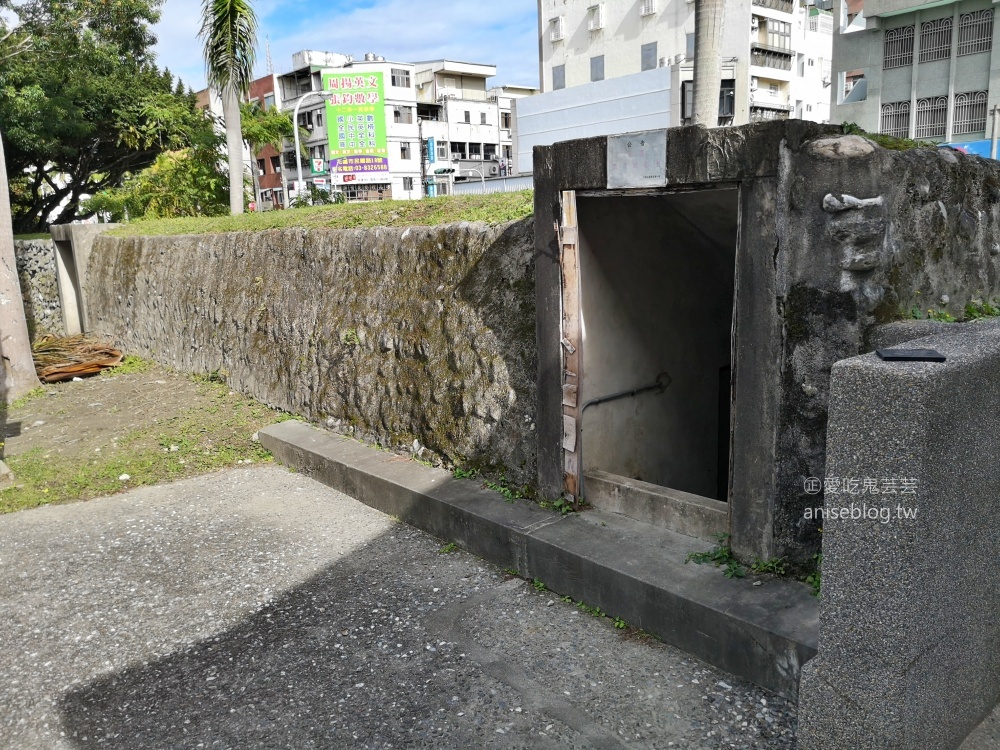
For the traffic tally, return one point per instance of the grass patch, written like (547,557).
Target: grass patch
(130,365)
(721,556)
(886,141)
(35,236)
(33,395)
(496,208)
(195,441)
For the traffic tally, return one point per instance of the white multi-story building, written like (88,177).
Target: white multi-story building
(775,53)
(465,126)
(917,69)
(371,149)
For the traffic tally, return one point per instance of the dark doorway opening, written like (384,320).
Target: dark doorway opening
(657,287)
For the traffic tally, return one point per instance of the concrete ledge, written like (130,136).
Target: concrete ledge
(628,569)
(691,515)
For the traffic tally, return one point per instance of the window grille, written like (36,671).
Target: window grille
(975,32)
(647,7)
(898,48)
(970,112)
(935,40)
(895,119)
(932,115)
(557,29)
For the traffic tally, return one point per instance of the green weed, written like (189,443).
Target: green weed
(721,556)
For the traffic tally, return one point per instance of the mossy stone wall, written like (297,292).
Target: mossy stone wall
(420,338)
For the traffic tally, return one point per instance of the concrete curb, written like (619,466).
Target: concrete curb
(626,568)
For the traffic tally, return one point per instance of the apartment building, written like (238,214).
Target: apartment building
(775,53)
(270,183)
(924,70)
(466,127)
(361,120)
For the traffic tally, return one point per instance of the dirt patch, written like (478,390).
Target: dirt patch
(76,440)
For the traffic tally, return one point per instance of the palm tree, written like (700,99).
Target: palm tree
(708,19)
(18,373)
(229,32)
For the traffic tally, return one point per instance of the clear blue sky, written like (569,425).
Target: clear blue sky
(498,32)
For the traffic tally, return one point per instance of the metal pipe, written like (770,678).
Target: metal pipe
(993,140)
(662,382)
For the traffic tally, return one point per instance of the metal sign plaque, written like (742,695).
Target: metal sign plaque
(637,160)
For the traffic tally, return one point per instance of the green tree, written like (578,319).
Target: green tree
(229,33)
(262,128)
(74,82)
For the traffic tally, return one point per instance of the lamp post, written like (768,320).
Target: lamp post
(481,177)
(295,122)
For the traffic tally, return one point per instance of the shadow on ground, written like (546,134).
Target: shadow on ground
(346,659)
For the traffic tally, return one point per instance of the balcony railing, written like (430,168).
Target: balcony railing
(786,6)
(770,57)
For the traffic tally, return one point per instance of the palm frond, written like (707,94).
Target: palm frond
(229,33)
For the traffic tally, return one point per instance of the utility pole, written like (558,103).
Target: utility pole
(423,160)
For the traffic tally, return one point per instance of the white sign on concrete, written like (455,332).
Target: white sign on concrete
(637,160)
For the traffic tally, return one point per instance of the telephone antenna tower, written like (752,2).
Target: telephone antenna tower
(270,63)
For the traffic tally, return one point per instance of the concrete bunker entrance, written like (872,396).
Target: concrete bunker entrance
(656,300)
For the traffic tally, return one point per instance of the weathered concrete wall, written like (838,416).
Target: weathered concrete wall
(908,648)
(815,270)
(36,270)
(425,333)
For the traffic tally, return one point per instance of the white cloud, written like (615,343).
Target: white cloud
(481,31)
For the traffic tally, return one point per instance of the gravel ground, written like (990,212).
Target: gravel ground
(255,608)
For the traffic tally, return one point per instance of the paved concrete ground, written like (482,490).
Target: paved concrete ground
(256,608)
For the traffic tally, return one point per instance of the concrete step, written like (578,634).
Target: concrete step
(629,569)
(692,515)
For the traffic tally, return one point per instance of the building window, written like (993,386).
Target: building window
(648,56)
(647,7)
(597,68)
(402,115)
(268,102)
(319,118)
(276,164)
(476,151)
(482,118)
(779,34)
(407,183)
(898,48)
(442,150)
(468,117)
(970,112)
(935,42)
(558,77)
(895,120)
(727,98)
(975,32)
(932,114)
(404,150)
(400,77)
(260,167)
(505,120)
(689,47)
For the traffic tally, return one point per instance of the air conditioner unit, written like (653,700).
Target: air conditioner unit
(647,7)
(556,29)
(494,170)
(754,23)
(596,20)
